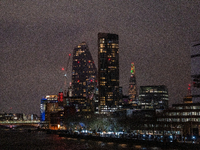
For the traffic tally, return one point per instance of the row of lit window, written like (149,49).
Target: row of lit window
(152,91)
(187,107)
(103,51)
(164,95)
(179,119)
(183,113)
(102,103)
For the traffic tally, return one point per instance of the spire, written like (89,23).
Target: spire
(132,85)
(132,68)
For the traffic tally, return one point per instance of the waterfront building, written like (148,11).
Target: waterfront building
(108,72)
(81,104)
(84,72)
(195,71)
(182,118)
(43,105)
(133,87)
(48,105)
(153,97)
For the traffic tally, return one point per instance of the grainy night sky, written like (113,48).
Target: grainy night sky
(37,36)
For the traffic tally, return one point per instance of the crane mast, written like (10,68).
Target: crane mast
(65,69)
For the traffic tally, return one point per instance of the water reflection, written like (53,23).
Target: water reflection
(42,141)
(123,145)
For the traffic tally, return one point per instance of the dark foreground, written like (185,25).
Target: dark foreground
(40,140)
(131,142)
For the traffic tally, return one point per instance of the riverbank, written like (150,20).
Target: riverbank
(163,145)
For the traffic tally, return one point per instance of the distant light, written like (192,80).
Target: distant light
(78,81)
(109,59)
(69,54)
(78,61)
(63,68)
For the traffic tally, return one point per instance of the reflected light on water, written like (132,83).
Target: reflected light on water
(75,139)
(99,142)
(123,145)
(138,146)
(110,143)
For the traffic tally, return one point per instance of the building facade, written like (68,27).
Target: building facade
(184,118)
(108,72)
(84,72)
(195,71)
(153,97)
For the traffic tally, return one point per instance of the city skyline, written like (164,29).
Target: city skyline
(38,36)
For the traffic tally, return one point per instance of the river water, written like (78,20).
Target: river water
(23,140)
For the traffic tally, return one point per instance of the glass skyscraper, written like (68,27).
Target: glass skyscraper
(84,72)
(108,72)
(195,71)
(153,97)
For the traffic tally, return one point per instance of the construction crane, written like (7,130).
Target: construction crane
(65,69)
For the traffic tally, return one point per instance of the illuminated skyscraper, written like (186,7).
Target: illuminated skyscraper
(108,72)
(153,97)
(132,86)
(195,72)
(84,71)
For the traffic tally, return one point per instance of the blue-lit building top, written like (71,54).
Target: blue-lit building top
(43,105)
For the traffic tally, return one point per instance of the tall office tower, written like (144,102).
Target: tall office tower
(195,71)
(132,86)
(108,72)
(84,72)
(153,97)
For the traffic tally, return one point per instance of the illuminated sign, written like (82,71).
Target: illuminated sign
(51,97)
(60,97)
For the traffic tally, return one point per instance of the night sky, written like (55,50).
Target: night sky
(37,36)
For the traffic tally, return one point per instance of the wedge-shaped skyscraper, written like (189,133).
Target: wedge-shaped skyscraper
(84,72)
